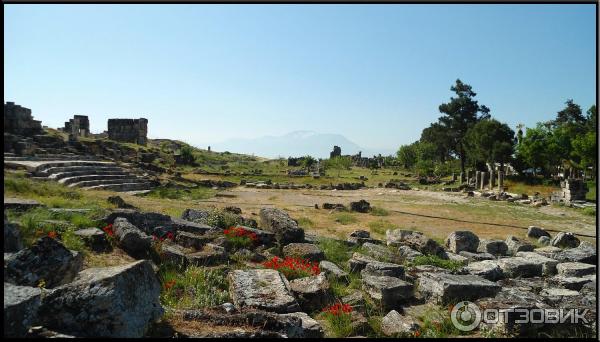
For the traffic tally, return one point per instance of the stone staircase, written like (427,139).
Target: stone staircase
(83,173)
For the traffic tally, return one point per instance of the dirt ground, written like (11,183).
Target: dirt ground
(434,213)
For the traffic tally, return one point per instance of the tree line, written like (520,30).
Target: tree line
(466,135)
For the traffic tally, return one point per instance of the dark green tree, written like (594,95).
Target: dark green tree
(570,114)
(490,141)
(460,114)
(438,135)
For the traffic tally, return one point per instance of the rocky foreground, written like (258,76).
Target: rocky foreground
(47,293)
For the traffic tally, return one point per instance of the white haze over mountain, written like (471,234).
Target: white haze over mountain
(296,144)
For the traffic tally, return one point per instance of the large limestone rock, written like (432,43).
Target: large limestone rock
(407,253)
(470,256)
(94,238)
(425,245)
(131,239)
(389,291)
(383,269)
(378,252)
(517,245)
(565,240)
(310,327)
(119,301)
(571,283)
(263,289)
(450,288)
(279,222)
(494,247)
(575,269)
(583,253)
(536,232)
(209,255)
(460,241)
(191,240)
(361,206)
(548,264)
(312,293)
(359,261)
(304,250)
(333,270)
(394,324)
(46,260)
(396,237)
(520,267)
(487,269)
(21,304)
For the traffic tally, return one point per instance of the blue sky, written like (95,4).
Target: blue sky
(374,73)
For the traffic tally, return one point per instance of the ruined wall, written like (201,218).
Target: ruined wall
(18,120)
(79,126)
(128,130)
(337,151)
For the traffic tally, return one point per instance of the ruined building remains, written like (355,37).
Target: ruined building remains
(78,126)
(337,151)
(571,190)
(128,130)
(18,120)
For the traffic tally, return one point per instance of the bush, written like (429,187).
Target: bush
(187,155)
(194,288)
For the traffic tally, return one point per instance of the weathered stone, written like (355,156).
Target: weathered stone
(128,130)
(557,292)
(263,237)
(331,269)
(460,241)
(191,240)
(575,269)
(425,245)
(196,215)
(310,327)
(210,255)
(407,253)
(514,267)
(535,284)
(358,262)
(20,204)
(46,260)
(311,292)
(383,269)
(359,241)
(450,288)
(548,264)
(359,323)
(394,324)
(42,332)
(119,301)
(131,239)
(12,237)
(361,206)
(146,222)
(544,240)
(263,289)
(279,222)
(494,247)
(565,240)
(355,299)
(518,245)
(487,269)
(476,256)
(94,238)
(360,234)
(119,202)
(571,283)
(456,257)
(173,254)
(377,252)
(389,291)
(21,305)
(536,232)
(304,251)
(582,253)
(396,237)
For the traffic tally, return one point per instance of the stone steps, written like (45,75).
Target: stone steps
(96,177)
(41,169)
(123,186)
(85,171)
(120,180)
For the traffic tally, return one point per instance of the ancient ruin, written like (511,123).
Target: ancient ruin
(79,126)
(571,190)
(128,130)
(18,120)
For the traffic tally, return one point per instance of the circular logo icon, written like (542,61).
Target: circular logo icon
(465,316)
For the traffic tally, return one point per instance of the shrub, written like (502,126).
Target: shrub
(239,237)
(293,268)
(339,319)
(434,260)
(195,287)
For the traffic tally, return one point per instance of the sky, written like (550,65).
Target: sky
(373,73)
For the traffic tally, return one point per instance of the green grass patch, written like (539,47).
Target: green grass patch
(434,260)
(305,222)
(338,326)
(193,288)
(197,193)
(589,211)
(438,324)
(380,226)
(591,194)
(345,218)
(336,251)
(378,211)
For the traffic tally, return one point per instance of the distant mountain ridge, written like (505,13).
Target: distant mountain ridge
(295,144)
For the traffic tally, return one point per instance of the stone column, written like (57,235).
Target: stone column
(482,179)
(491,180)
(500,181)
(477,179)
(462,178)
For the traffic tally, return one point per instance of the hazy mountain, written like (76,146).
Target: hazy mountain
(295,144)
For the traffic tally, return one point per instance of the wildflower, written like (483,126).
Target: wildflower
(108,230)
(170,236)
(52,234)
(417,333)
(169,284)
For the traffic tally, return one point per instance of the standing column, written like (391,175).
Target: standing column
(492,180)
(462,178)
(482,184)
(500,181)
(477,179)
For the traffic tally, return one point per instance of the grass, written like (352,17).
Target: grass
(438,324)
(345,218)
(378,211)
(197,193)
(192,288)
(434,260)
(589,211)
(380,226)
(591,194)
(305,222)
(336,251)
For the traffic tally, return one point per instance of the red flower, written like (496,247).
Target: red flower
(338,309)
(52,235)
(108,230)
(169,284)
(170,235)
